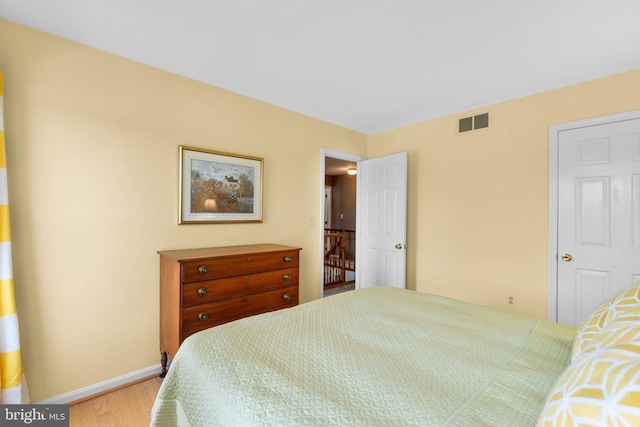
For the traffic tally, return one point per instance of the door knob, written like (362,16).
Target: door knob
(567,257)
(399,246)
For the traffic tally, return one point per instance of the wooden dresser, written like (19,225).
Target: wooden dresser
(201,288)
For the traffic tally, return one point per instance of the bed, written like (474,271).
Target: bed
(382,357)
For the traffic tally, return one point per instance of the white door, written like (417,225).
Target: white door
(381,222)
(598,246)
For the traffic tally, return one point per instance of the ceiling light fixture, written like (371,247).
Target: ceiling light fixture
(352,171)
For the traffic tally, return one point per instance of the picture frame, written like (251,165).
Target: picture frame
(218,187)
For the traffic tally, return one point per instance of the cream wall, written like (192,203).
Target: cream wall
(93,179)
(478,202)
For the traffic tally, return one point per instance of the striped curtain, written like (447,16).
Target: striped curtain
(13,386)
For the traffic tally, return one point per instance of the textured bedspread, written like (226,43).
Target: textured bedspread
(373,357)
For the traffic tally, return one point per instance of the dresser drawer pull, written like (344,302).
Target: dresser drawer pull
(286,276)
(203,316)
(203,269)
(288,259)
(249,259)
(286,296)
(202,291)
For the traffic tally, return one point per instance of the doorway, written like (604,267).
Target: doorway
(594,243)
(339,188)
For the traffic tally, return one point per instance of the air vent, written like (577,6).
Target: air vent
(465,125)
(471,123)
(481,121)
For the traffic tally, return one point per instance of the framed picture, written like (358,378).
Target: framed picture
(219,187)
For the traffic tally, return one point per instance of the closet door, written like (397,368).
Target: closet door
(598,215)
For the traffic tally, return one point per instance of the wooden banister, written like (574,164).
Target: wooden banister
(339,255)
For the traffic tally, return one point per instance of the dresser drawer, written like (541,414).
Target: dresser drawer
(212,290)
(199,317)
(215,268)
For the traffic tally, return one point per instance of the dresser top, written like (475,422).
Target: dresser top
(222,251)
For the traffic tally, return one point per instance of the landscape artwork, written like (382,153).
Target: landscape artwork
(220,187)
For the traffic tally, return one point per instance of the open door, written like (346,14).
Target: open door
(381,229)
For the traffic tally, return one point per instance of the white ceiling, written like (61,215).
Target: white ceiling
(367,65)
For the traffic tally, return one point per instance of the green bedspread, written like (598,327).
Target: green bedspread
(373,357)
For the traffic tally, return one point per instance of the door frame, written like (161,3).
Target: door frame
(554,141)
(324,153)
(328,205)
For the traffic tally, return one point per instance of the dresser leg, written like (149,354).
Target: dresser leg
(163,361)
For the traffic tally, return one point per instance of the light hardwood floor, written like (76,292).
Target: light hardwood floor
(126,407)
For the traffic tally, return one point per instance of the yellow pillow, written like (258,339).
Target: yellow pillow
(622,333)
(602,386)
(591,326)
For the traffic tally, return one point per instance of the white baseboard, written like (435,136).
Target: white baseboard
(102,387)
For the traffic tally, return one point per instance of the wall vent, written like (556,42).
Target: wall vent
(465,125)
(479,121)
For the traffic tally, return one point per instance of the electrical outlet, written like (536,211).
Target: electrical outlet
(511,301)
